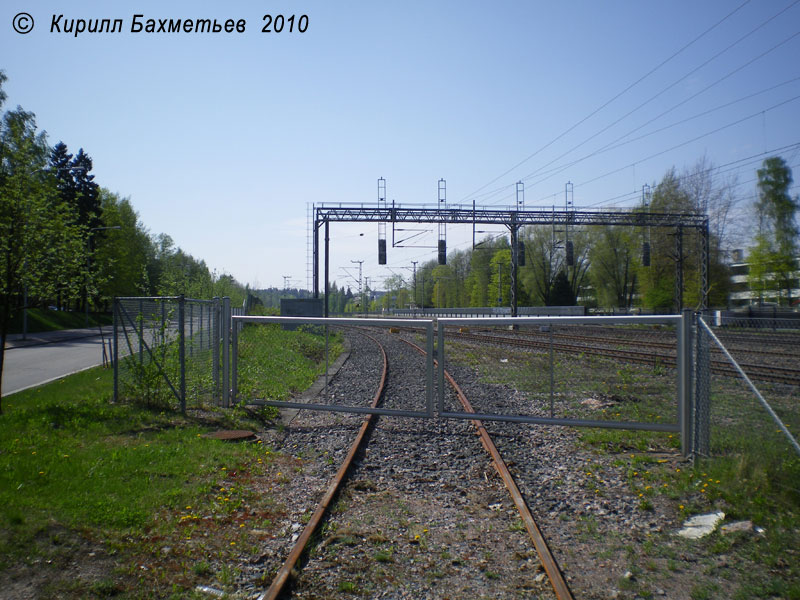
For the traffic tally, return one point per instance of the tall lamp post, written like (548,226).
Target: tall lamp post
(88,253)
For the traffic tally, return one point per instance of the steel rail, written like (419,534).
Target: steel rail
(282,576)
(629,339)
(761,372)
(545,556)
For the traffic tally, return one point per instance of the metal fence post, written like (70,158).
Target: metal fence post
(440,356)
(215,341)
(182,350)
(141,332)
(226,346)
(684,364)
(234,360)
(191,328)
(702,402)
(429,369)
(115,350)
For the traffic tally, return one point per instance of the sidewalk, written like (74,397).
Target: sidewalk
(14,340)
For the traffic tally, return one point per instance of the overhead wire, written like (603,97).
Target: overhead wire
(614,98)
(683,78)
(607,148)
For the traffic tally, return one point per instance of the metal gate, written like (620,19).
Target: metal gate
(572,371)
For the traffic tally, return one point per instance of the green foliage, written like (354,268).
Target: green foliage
(274,363)
(773,256)
(615,262)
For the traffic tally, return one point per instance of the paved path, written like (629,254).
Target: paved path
(47,356)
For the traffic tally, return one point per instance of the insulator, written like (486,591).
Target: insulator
(442,252)
(646,254)
(570,255)
(381,252)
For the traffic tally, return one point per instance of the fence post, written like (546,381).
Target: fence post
(702,402)
(684,364)
(235,361)
(215,341)
(182,349)
(226,346)
(141,332)
(191,328)
(115,350)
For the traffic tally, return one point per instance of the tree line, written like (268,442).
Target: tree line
(67,242)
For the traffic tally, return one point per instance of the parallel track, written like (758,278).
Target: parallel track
(756,371)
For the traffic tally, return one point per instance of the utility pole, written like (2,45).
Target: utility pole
(414,262)
(367,295)
(360,293)
(499,286)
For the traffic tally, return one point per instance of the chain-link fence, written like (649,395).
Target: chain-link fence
(747,379)
(167,350)
(608,372)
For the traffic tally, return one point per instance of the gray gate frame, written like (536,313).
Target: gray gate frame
(423,324)
(684,398)
(683,327)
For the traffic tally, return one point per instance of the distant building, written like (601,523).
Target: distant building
(742,295)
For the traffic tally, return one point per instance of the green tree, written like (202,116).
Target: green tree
(562,293)
(776,245)
(544,262)
(499,293)
(614,259)
(40,243)
(657,282)
(121,256)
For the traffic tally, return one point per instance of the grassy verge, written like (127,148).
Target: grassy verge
(99,499)
(40,320)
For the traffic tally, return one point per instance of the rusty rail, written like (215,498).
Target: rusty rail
(546,557)
(285,571)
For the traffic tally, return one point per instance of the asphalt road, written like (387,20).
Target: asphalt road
(45,359)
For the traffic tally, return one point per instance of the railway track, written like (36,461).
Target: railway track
(604,348)
(359,447)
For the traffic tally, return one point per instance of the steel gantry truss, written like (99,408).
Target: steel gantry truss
(513,219)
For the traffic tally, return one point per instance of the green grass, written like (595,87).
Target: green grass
(300,359)
(78,471)
(40,320)
(71,456)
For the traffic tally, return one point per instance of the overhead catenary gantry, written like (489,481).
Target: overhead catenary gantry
(513,218)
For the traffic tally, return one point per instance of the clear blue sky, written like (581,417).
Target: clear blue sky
(222,140)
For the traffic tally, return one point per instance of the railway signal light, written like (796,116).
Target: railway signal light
(442,252)
(381,252)
(570,254)
(646,254)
